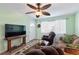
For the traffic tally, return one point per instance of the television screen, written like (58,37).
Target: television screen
(14,30)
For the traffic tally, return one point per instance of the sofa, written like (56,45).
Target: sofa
(45,50)
(71,41)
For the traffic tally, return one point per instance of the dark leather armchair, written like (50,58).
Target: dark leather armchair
(49,38)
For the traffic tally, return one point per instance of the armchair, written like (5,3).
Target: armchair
(49,38)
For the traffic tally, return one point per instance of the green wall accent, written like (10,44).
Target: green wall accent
(12,17)
(38,30)
(77,23)
(70,24)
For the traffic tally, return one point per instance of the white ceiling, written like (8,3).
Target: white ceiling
(55,10)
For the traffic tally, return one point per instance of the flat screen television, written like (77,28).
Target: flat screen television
(14,30)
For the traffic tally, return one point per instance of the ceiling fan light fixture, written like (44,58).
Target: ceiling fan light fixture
(38,10)
(37,16)
(38,13)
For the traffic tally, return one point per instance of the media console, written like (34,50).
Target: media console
(9,40)
(13,49)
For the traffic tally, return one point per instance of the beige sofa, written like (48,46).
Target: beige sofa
(67,40)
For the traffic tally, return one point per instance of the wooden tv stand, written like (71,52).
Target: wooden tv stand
(9,44)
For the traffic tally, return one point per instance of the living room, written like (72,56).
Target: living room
(63,19)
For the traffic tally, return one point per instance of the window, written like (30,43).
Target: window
(58,26)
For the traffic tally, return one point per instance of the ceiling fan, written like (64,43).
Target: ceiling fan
(39,10)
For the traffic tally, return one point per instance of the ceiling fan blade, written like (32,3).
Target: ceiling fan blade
(30,12)
(31,6)
(46,13)
(45,6)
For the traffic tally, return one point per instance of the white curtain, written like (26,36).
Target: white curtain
(58,26)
